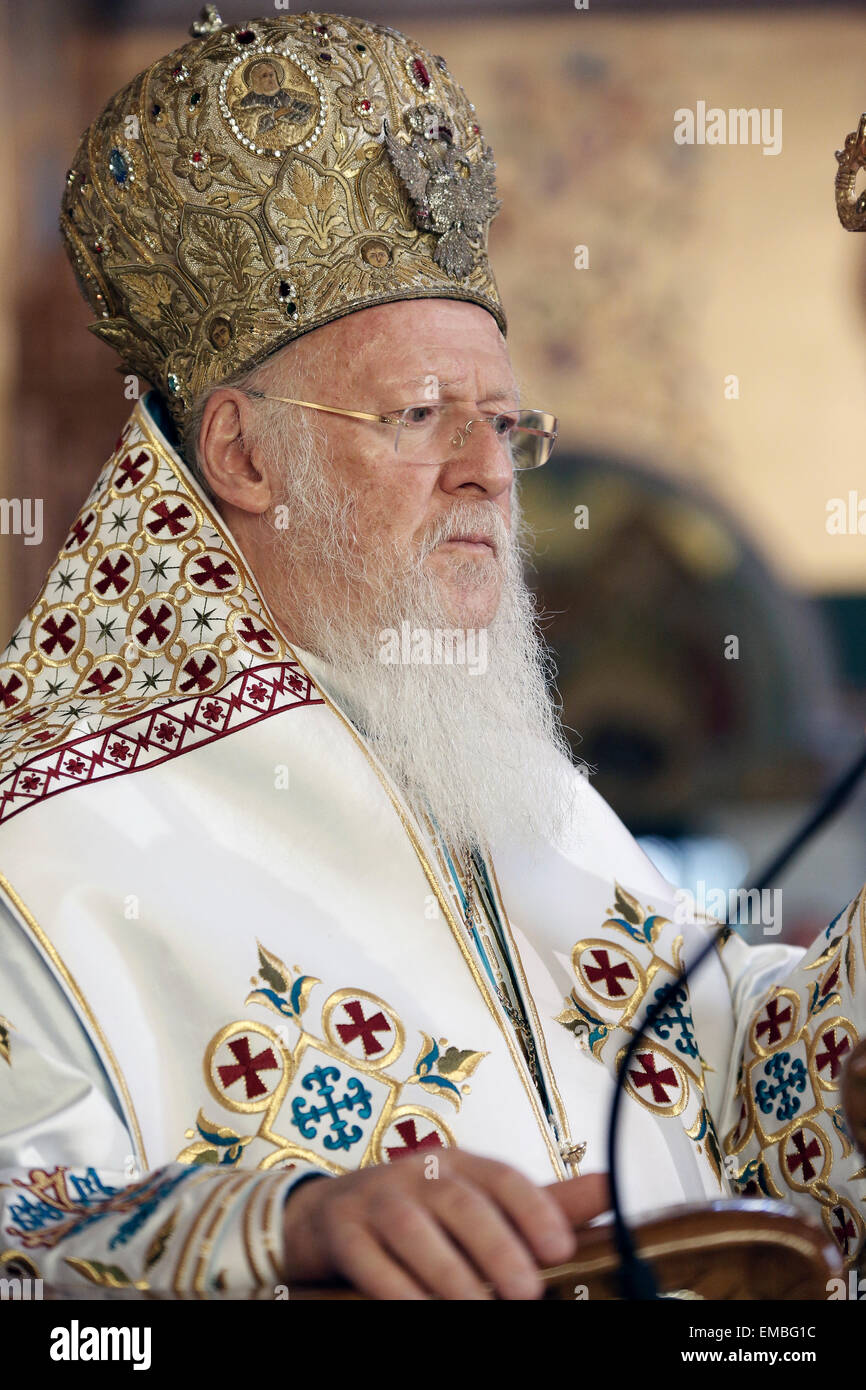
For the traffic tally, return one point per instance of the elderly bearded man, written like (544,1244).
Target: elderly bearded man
(275,907)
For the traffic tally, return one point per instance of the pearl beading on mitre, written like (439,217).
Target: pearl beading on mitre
(292,57)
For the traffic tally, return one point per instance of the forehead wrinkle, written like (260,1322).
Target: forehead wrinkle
(501,391)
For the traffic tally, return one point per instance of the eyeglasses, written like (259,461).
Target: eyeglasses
(429,433)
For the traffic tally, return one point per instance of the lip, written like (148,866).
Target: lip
(474,539)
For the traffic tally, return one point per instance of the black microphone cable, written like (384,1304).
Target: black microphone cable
(636,1277)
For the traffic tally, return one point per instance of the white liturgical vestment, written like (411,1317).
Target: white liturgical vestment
(232,957)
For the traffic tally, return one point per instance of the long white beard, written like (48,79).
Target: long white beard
(480,751)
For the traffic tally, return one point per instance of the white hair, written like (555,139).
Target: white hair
(484,753)
(268,376)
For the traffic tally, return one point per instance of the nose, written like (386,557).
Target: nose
(479,460)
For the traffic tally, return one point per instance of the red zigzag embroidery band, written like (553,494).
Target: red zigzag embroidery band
(157,735)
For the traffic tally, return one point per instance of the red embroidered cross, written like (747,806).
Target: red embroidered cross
(79,531)
(258,636)
(222,576)
(57,632)
(6,691)
(198,674)
(843,1228)
(834,1052)
(102,684)
(411,1142)
(154,624)
(131,470)
(248,1067)
(112,574)
(363,1028)
(803,1156)
(603,970)
(658,1080)
(772,1023)
(169,519)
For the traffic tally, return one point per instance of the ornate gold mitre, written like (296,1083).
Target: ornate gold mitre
(267,178)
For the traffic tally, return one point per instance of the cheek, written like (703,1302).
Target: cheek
(394,505)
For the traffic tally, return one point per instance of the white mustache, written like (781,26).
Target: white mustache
(465,521)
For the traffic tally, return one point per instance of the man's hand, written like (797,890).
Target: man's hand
(394,1232)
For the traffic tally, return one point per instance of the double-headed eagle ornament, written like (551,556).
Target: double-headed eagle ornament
(453,197)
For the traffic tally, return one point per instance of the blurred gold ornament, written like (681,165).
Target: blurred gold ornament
(851,159)
(208,22)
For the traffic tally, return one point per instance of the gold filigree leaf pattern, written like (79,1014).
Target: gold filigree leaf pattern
(222,251)
(628,907)
(106,1276)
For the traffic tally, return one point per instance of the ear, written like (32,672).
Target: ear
(231,468)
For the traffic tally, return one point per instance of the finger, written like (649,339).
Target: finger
(581,1199)
(415,1236)
(482,1228)
(542,1222)
(359,1257)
